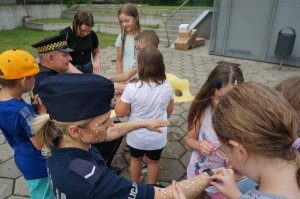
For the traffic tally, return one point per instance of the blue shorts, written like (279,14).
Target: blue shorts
(40,188)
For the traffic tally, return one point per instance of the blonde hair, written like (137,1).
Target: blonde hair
(290,89)
(148,37)
(51,131)
(260,119)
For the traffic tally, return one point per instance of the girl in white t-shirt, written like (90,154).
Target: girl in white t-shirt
(150,97)
(130,26)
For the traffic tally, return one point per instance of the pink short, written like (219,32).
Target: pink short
(217,195)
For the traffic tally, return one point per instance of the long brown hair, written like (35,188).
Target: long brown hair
(151,65)
(129,9)
(82,18)
(259,118)
(224,73)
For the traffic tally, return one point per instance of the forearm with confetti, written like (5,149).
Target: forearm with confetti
(190,187)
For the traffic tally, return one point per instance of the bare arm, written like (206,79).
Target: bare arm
(192,139)
(121,129)
(170,108)
(119,61)
(97,61)
(190,187)
(122,109)
(73,69)
(119,87)
(37,142)
(124,76)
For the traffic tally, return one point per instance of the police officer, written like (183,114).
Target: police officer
(77,171)
(53,53)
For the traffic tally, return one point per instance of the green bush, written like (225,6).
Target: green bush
(75,1)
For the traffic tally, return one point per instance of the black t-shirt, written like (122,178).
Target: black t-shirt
(79,174)
(82,46)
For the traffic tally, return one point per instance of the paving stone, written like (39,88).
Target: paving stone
(6,187)
(177,109)
(9,169)
(175,133)
(17,197)
(176,120)
(2,138)
(21,187)
(6,152)
(170,170)
(173,150)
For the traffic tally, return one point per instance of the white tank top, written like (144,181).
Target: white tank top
(199,162)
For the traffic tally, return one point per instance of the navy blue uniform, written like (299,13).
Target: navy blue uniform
(79,174)
(44,73)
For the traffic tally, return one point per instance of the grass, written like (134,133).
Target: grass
(23,38)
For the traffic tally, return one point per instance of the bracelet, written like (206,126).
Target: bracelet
(209,172)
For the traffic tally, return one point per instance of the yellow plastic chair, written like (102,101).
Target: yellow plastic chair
(181,88)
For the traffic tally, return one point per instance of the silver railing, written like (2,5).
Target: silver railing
(168,17)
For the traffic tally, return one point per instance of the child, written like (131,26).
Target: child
(151,96)
(258,130)
(201,137)
(78,171)
(130,26)
(290,89)
(17,71)
(142,40)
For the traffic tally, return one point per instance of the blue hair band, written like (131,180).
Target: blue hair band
(218,84)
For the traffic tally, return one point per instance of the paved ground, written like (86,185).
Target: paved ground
(194,65)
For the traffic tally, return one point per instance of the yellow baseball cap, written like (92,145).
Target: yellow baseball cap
(15,64)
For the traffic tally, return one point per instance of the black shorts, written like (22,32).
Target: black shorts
(152,154)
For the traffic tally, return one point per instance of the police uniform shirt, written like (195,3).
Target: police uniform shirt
(79,174)
(44,73)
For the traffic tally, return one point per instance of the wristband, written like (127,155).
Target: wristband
(209,172)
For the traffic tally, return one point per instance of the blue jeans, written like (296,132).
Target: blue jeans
(85,68)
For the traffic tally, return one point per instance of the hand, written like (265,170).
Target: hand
(97,66)
(155,125)
(37,103)
(205,148)
(176,191)
(228,186)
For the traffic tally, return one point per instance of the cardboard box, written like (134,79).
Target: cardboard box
(184,28)
(199,42)
(185,34)
(183,43)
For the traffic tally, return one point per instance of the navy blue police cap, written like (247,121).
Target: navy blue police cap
(58,42)
(75,97)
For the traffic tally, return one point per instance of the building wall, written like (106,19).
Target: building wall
(249,29)
(12,16)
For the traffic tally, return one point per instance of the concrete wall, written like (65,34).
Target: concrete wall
(12,15)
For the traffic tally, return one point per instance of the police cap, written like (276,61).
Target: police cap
(75,97)
(57,42)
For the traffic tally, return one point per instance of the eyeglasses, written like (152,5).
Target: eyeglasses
(220,151)
(137,49)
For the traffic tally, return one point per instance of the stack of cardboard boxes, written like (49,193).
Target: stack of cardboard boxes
(187,38)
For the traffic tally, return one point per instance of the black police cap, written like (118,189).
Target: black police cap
(75,97)
(57,42)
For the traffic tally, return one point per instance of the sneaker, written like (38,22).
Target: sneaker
(144,167)
(117,170)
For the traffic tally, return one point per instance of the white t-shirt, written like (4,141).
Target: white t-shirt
(129,52)
(149,101)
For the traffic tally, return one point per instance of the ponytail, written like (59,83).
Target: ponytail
(43,127)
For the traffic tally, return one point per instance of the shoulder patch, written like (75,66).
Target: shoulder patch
(87,170)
